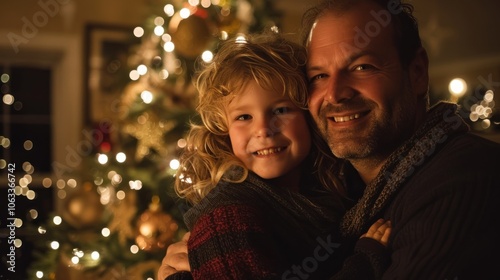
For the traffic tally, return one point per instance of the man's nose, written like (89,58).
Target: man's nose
(339,90)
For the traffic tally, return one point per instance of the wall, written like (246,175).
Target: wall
(49,33)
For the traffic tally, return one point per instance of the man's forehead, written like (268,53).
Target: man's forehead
(327,30)
(359,16)
(359,26)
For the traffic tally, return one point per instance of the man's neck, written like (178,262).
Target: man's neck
(368,169)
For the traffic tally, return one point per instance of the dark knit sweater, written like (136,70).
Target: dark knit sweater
(441,191)
(254,231)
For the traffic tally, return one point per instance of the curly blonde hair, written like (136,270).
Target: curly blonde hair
(273,63)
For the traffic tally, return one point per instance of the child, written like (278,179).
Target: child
(262,209)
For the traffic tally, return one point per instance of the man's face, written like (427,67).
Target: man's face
(360,97)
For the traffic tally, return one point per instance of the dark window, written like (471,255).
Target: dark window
(26,141)
(27,118)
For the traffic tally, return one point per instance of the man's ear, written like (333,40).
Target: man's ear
(419,72)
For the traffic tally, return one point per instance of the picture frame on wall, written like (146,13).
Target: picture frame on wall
(107,48)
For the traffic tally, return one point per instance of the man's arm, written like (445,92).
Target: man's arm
(446,233)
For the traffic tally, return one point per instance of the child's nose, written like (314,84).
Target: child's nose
(266,127)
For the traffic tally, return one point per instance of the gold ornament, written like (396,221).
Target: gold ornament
(83,208)
(156,228)
(149,131)
(230,24)
(191,36)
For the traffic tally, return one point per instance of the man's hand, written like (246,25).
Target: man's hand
(176,259)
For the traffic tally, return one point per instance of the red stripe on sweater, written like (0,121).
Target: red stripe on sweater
(243,264)
(224,219)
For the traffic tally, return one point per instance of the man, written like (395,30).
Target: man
(418,167)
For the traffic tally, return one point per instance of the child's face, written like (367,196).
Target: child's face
(267,131)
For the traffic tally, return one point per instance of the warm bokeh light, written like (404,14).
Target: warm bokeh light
(142,69)
(169,10)
(457,87)
(134,249)
(174,164)
(105,232)
(28,145)
(135,185)
(121,157)
(102,158)
(33,214)
(54,245)
(72,183)
(47,182)
(134,75)
(184,13)
(138,32)
(8,99)
(207,56)
(147,96)
(205,3)
(42,230)
(169,47)
(4,78)
(159,30)
(120,195)
(163,74)
(159,21)
(57,220)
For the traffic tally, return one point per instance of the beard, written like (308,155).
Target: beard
(387,129)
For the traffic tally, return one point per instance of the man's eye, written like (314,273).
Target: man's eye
(281,110)
(362,67)
(243,117)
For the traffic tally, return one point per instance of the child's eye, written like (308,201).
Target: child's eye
(281,110)
(243,117)
(316,77)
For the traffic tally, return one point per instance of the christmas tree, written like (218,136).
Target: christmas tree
(121,213)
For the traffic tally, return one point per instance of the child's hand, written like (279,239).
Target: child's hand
(379,231)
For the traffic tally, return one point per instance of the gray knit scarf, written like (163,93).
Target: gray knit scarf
(442,121)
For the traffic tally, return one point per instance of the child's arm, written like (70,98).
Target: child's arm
(371,257)
(175,263)
(380,231)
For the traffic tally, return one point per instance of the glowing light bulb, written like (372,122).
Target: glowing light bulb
(457,87)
